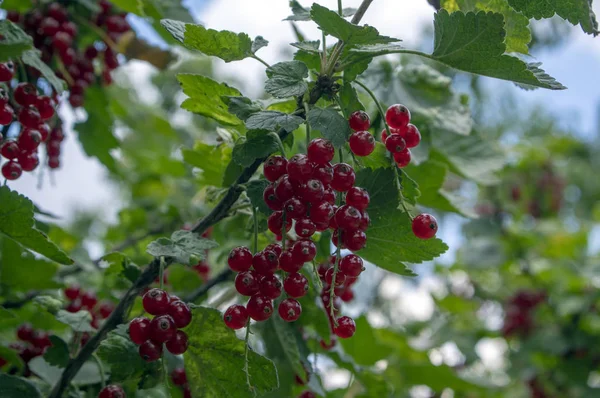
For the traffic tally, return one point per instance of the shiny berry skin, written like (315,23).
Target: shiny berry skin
(178,344)
(289,310)
(89,300)
(299,168)
(6,72)
(348,217)
(29,140)
(351,265)
(424,226)
(29,161)
(395,143)
(345,328)
(321,213)
(359,121)
(150,351)
(25,94)
(275,167)
(240,259)
(411,136)
(259,307)
(343,177)
(6,114)
(402,159)
(275,223)
(179,377)
(288,263)
(156,302)
(139,329)
(295,285)
(340,278)
(397,116)
(294,208)
(323,173)
(11,170)
(57,134)
(112,391)
(347,295)
(312,191)
(284,189)
(247,283)
(362,143)
(181,314)
(275,247)
(320,151)
(49,27)
(105,309)
(45,107)
(53,148)
(44,131)
(265,262)
(25,332)
(305,228)
(304,250)
(354,240)
(236,317)
(162,329)
(329,196)
(29,117)
(270,286)
(270,198)
(10,150)
(358,198)
(69,28)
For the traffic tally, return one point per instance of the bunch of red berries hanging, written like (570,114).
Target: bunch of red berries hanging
(404,135)
(362,143)
(170,314)
(32,343)
(87,300)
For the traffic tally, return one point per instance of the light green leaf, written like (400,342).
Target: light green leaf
(17,223)
(49,303)
(331,124)
(349,99)
(241,107)
(17,5)
(212,160)
(378,158)
(182,246)
(33,59)
(215,360)
(21,271)
(286,340)
(256,145)
(58,353)
(273,121)
(120,264)
(205,98)
(88,374)
(17,387)
(364,347)
(286,79)
(79,321)
(254,190)
(574,11)
(14,41)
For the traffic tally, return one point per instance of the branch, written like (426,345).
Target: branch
(16,304)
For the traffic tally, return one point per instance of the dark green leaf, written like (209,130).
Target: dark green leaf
(16,222)
(183,279)
(286,79)
(212,160)
(215,360)
(182,246)
(287,339)
(349,99)
(308,46)
(254,190)
(364,347)
(273,120)
(58,353)
(17,387)
(21,271)
(258,43)
(121,264)
(11,356)
(206,98)
(79,321)
(299,13)
(256,145)
(331,124)
(574,11)
(33,59)
(88,374)
(14,41)
(242,107)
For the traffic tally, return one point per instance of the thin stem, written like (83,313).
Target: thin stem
(317,276)
(338,256)
(340,10)
(283,230)
(161,273)
(379,107)
(341,155)
(307,127)
(246,362)
(259,59)
(100,369)
(279,143)
(399,184)
(324,54)
(165,371)
(255,243)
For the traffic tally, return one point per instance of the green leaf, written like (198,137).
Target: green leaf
(49,303)
(474,43)
(182,246)
(17,387)
(58,353)
(312,46)
(364,347)
(183,279)
(254,190)
(390,239)
(17,223)
(273,120)
(33,59)
(286,339)
(212,160)
(119,263)
(21,271)
(349,99)
(299,13)
(227,45)
(331,124)
(241,107)
(286,79)
(14,41)
(16,5)
(574,11)
(516,24)
(11,356)
(256,145)
(205,98)
(88,374)
(215,360)
(333,24)
(79,321)
(378,158)
(258,43)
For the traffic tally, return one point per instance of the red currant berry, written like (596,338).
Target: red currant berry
(28,160)
(53,162)
(343,177)
(275,247)
(347,295)
(304,250)
(259,307)
(295,285)
(6,114)
(156,302)
(288,263)
(402,158)
(354,240)
(348,217)
(91,52)
(106,308)
(289,310)
(29,117)
(150,351)
(181,313)
(41,340)
(358,197)
(178,344)
(56,11)
(329,196)
(6,72)
(162,328)
(411,136)
(307,394)
(139,329)
(179,377)
(321,213)
(359,121)
(25,332)
(25,94)
(320,151)
(61,41)
(395,143)
(89,300)
(10,150)
(49,27)
(57,134)
(247,283)
(275,167)
(345,328)
(352,265)
(323,173)
(424,226)
(305,228)
(362,143)
(11,170)
(240,259)
(265,262)
(236,316)
(270,286)
(284,189)
(299,168)
(270,198)
(327,346)
(69,28)
(74,306)
(45,107)
(340,278)
(44,131)
(275,223)
(312,191)
(294,208)
(397,116)
(384,136)
(112,391)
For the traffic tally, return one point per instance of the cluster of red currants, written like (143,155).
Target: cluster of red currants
(87,300)
(404,135)
(112,391)
(33,343)
(203,267)
(518,317)
(179,378)
(170,314)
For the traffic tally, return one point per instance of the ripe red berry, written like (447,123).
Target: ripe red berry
(162,329)
(139,329)
(6,114)
(74,306)
(69,28)
(11,170)
(25,332)
(397,116)
(181,313)
(294,208)
(53,162)
(348,217)
(358,197)
(320,151)
(25,94)
(307,394)
(265,262)
(179,377)
(29,117)
(340,278)
(270,286)
(299,168)
(28,160)
(259,307)
(351,265)
(395,143)
(284,189)
(411,136)
(329,195)
(323,173)
(56,11)
(57,134)
(236,316)
(274,247)
(275,167)
(44,131)
(89,300)
(271,199)
(6,72)
(402,158)
(156,302)
(150,351)
(289,310)
(178,344)
(10,150)
(354,240)
(49,27)
(240,259)
(359,121)
(275,223)
(45,107)
(247,283)
(105,309)
(345,328)
(304,250)
(112,391)
(295,285)
(424,226)
(343,177)
(321,213)
(288,262)
(305,228)
(312,191)
(362,143)
(347,295)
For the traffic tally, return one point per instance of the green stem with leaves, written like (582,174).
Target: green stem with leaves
(100,370)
